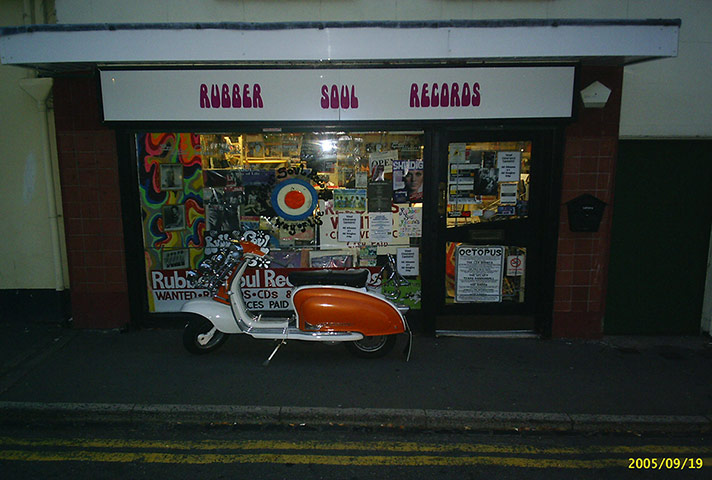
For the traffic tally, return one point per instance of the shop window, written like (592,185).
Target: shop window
(316,200)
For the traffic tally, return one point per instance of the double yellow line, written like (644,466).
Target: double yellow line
(333,453)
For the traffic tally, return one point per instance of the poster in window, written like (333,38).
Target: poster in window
(176,259)
(381,227)
(380,195)
(349,227)
(408,261)
(410,221)
(456,152)
(361,179)
(222,209)
(173,217)
(257,177)
(222,178)
(478,273)
(256,202)
(381,166)
(349,200)
(407,181)
(485,181)
(171,176)
(291,232)
(509,165)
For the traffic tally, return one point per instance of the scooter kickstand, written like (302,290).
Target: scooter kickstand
(274,352)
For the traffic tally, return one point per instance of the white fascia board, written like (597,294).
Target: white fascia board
(224,45)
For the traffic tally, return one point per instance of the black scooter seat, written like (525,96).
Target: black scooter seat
(348,278)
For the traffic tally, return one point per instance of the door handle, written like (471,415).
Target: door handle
(442,198)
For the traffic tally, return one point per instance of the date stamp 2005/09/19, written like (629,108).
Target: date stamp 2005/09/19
(667,463)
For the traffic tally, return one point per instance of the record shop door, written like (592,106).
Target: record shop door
(492,254)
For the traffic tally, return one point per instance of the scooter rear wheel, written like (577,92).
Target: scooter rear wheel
(372,347)
(196,327)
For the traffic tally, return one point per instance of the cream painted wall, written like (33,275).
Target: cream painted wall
(27,261)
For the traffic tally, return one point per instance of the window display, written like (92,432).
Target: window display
(317,200)
(487,181)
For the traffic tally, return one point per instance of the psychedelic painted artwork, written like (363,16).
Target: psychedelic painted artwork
(170,180)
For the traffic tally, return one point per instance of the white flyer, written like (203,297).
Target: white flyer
(408,264)
(478,273)
(380,227)
(509,165)
(349,227)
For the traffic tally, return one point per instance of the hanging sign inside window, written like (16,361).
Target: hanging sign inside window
(508,164)
(478,273)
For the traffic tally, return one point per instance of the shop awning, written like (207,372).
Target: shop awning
(54,49)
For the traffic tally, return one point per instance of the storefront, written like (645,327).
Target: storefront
(339,168)
(461,172)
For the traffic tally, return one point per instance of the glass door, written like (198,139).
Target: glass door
(492,229)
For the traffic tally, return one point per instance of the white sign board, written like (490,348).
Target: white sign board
(408,261)
(349,227)
(334,94)
(515,265)
(508,164)
(478,273)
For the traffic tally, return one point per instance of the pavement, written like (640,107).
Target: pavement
(53,374)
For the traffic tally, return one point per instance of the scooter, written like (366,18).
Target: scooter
(331,306)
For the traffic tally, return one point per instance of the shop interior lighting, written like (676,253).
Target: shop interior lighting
(327,146)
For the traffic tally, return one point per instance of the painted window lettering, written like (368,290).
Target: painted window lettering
(231,96)
(453,94)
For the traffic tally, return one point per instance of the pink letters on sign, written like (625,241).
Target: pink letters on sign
(335,97)
(231,96)
(453,94)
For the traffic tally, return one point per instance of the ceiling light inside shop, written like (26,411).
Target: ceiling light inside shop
(327,146)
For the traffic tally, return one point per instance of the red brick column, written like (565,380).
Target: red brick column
(589,167)
(88,168)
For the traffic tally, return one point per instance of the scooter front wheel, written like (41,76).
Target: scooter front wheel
(372,347)
(200,336)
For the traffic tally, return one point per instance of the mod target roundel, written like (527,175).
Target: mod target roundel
(294,199)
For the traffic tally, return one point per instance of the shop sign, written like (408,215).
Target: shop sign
(170,290)
(515,265)
(262,288)
(479,271)
(338,94)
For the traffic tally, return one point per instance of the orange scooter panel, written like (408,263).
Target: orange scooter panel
(328,309)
